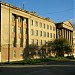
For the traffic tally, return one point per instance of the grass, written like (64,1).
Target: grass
(33,61)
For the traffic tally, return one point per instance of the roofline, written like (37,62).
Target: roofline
(17,8)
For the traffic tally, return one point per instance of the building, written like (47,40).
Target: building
(65,30)
(19,28)
(74,42)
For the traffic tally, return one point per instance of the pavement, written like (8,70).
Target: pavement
(44,68)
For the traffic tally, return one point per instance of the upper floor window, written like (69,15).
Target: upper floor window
(19,29)
(53,28)
(36,42)
(36,32)
(40,42)
(44,26)
(13,29)
(32,41)
(47,26)
(13,17)
(40,33)
(50,35)
(19,19)
(44,34)
(50,27)
(31,22)
(40,25)
(36,23)
(54,35)
(32,32)
(47,34)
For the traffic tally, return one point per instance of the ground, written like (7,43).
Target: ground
(49,68)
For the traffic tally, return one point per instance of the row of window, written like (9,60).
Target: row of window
(42,33)
(41,42)
(14,53)
(19,29)
(42,25)
(20,19)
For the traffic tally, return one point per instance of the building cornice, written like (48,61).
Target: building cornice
(25,11)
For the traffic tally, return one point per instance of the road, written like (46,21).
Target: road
(44,69)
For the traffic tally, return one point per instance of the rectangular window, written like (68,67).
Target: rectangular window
(36,32)
(53,28)
(31,22)
(50,35)
(32,41)
(44,41)
(36,42)
(50,27)
(40,33)
(54,35)
(44,25)
(13,17)
(47,34)
(40,25)
(40,42)
(36,23)
(13,28)
(32,32)
(19,29)
(14,53)
(47,26)
(25,31)
(19,19)
(44,34)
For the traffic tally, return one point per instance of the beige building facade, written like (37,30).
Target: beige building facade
(19,28)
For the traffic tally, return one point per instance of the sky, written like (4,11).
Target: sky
(56,10)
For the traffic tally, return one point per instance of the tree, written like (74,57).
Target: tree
(30,51)
(60,46)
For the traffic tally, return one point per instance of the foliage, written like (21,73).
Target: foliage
(60,46)
(30,51)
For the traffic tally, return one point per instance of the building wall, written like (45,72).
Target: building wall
(16,31)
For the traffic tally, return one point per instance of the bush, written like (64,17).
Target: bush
(70,57)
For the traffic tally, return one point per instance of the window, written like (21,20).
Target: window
(19,29)
(13,17)
(50,27)
(36,42)
(47,34)
(36,32)
(32,41)
(19,40)
(24,40)
(25,31)
(53,28)
(44,25)
(54,35)
(40,25)
(44,34)
(47,26)
(19,19)
(50,35)
(31,22)
(21,53)
(14,53)
(36,23)
(32,32)
(40,33)
(24,21)
(40,42)
(13,28)
(44,41)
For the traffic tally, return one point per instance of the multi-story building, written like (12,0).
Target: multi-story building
(74,42)
(19,28)
(65,30)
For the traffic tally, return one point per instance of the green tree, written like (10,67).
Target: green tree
(60,46)
(30,51)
